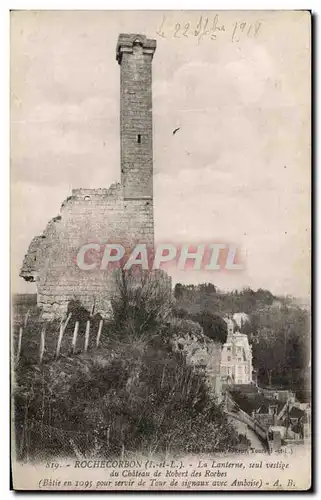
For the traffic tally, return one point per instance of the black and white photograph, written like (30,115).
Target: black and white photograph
(160,177)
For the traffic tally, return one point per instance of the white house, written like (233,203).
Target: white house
(236,358)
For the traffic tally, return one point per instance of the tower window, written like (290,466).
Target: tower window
(139,138)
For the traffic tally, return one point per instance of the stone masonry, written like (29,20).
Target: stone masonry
(122,214)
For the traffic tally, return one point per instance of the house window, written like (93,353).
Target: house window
(272,410)
(139,138)
(228,358)
(229,349)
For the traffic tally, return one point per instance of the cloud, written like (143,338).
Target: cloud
(54,144)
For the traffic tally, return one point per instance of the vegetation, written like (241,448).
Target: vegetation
(281,346)
(206,297)
(278,329)
(134,394)
(138,397)
(244,402)
(214,327)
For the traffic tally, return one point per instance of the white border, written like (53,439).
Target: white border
(5,6)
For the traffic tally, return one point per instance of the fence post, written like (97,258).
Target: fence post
(19,342)
(61,334)
(67,321)
(87,335)
(74,339)
(99,332)
(26,318)
(42,343)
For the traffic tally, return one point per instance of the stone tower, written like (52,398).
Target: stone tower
(134,54)
(121,214)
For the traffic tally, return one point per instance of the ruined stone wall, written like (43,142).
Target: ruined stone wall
(122,214)
(88,216)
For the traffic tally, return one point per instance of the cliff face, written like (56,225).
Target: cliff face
(88,216)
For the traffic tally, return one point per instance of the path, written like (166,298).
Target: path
(242,428)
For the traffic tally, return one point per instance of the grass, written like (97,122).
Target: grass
(27,315)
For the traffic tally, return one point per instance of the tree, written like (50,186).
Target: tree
(213,325)
(142,300)
(178,290)
(281,348)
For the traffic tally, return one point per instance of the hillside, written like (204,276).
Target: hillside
(278,328)
(141,391)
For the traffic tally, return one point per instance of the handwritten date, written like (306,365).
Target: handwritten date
(210,28)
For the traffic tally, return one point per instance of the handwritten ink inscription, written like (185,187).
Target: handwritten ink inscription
(210,28)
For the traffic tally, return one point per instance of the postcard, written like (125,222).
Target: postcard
(161,250)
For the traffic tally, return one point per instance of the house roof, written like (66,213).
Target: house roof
(262,404)
(246,388)
(296,412)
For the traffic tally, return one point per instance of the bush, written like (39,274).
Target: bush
(143,301)
(187,328)
(213,326)
(141,395)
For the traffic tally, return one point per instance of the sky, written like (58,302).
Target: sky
(238,169)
